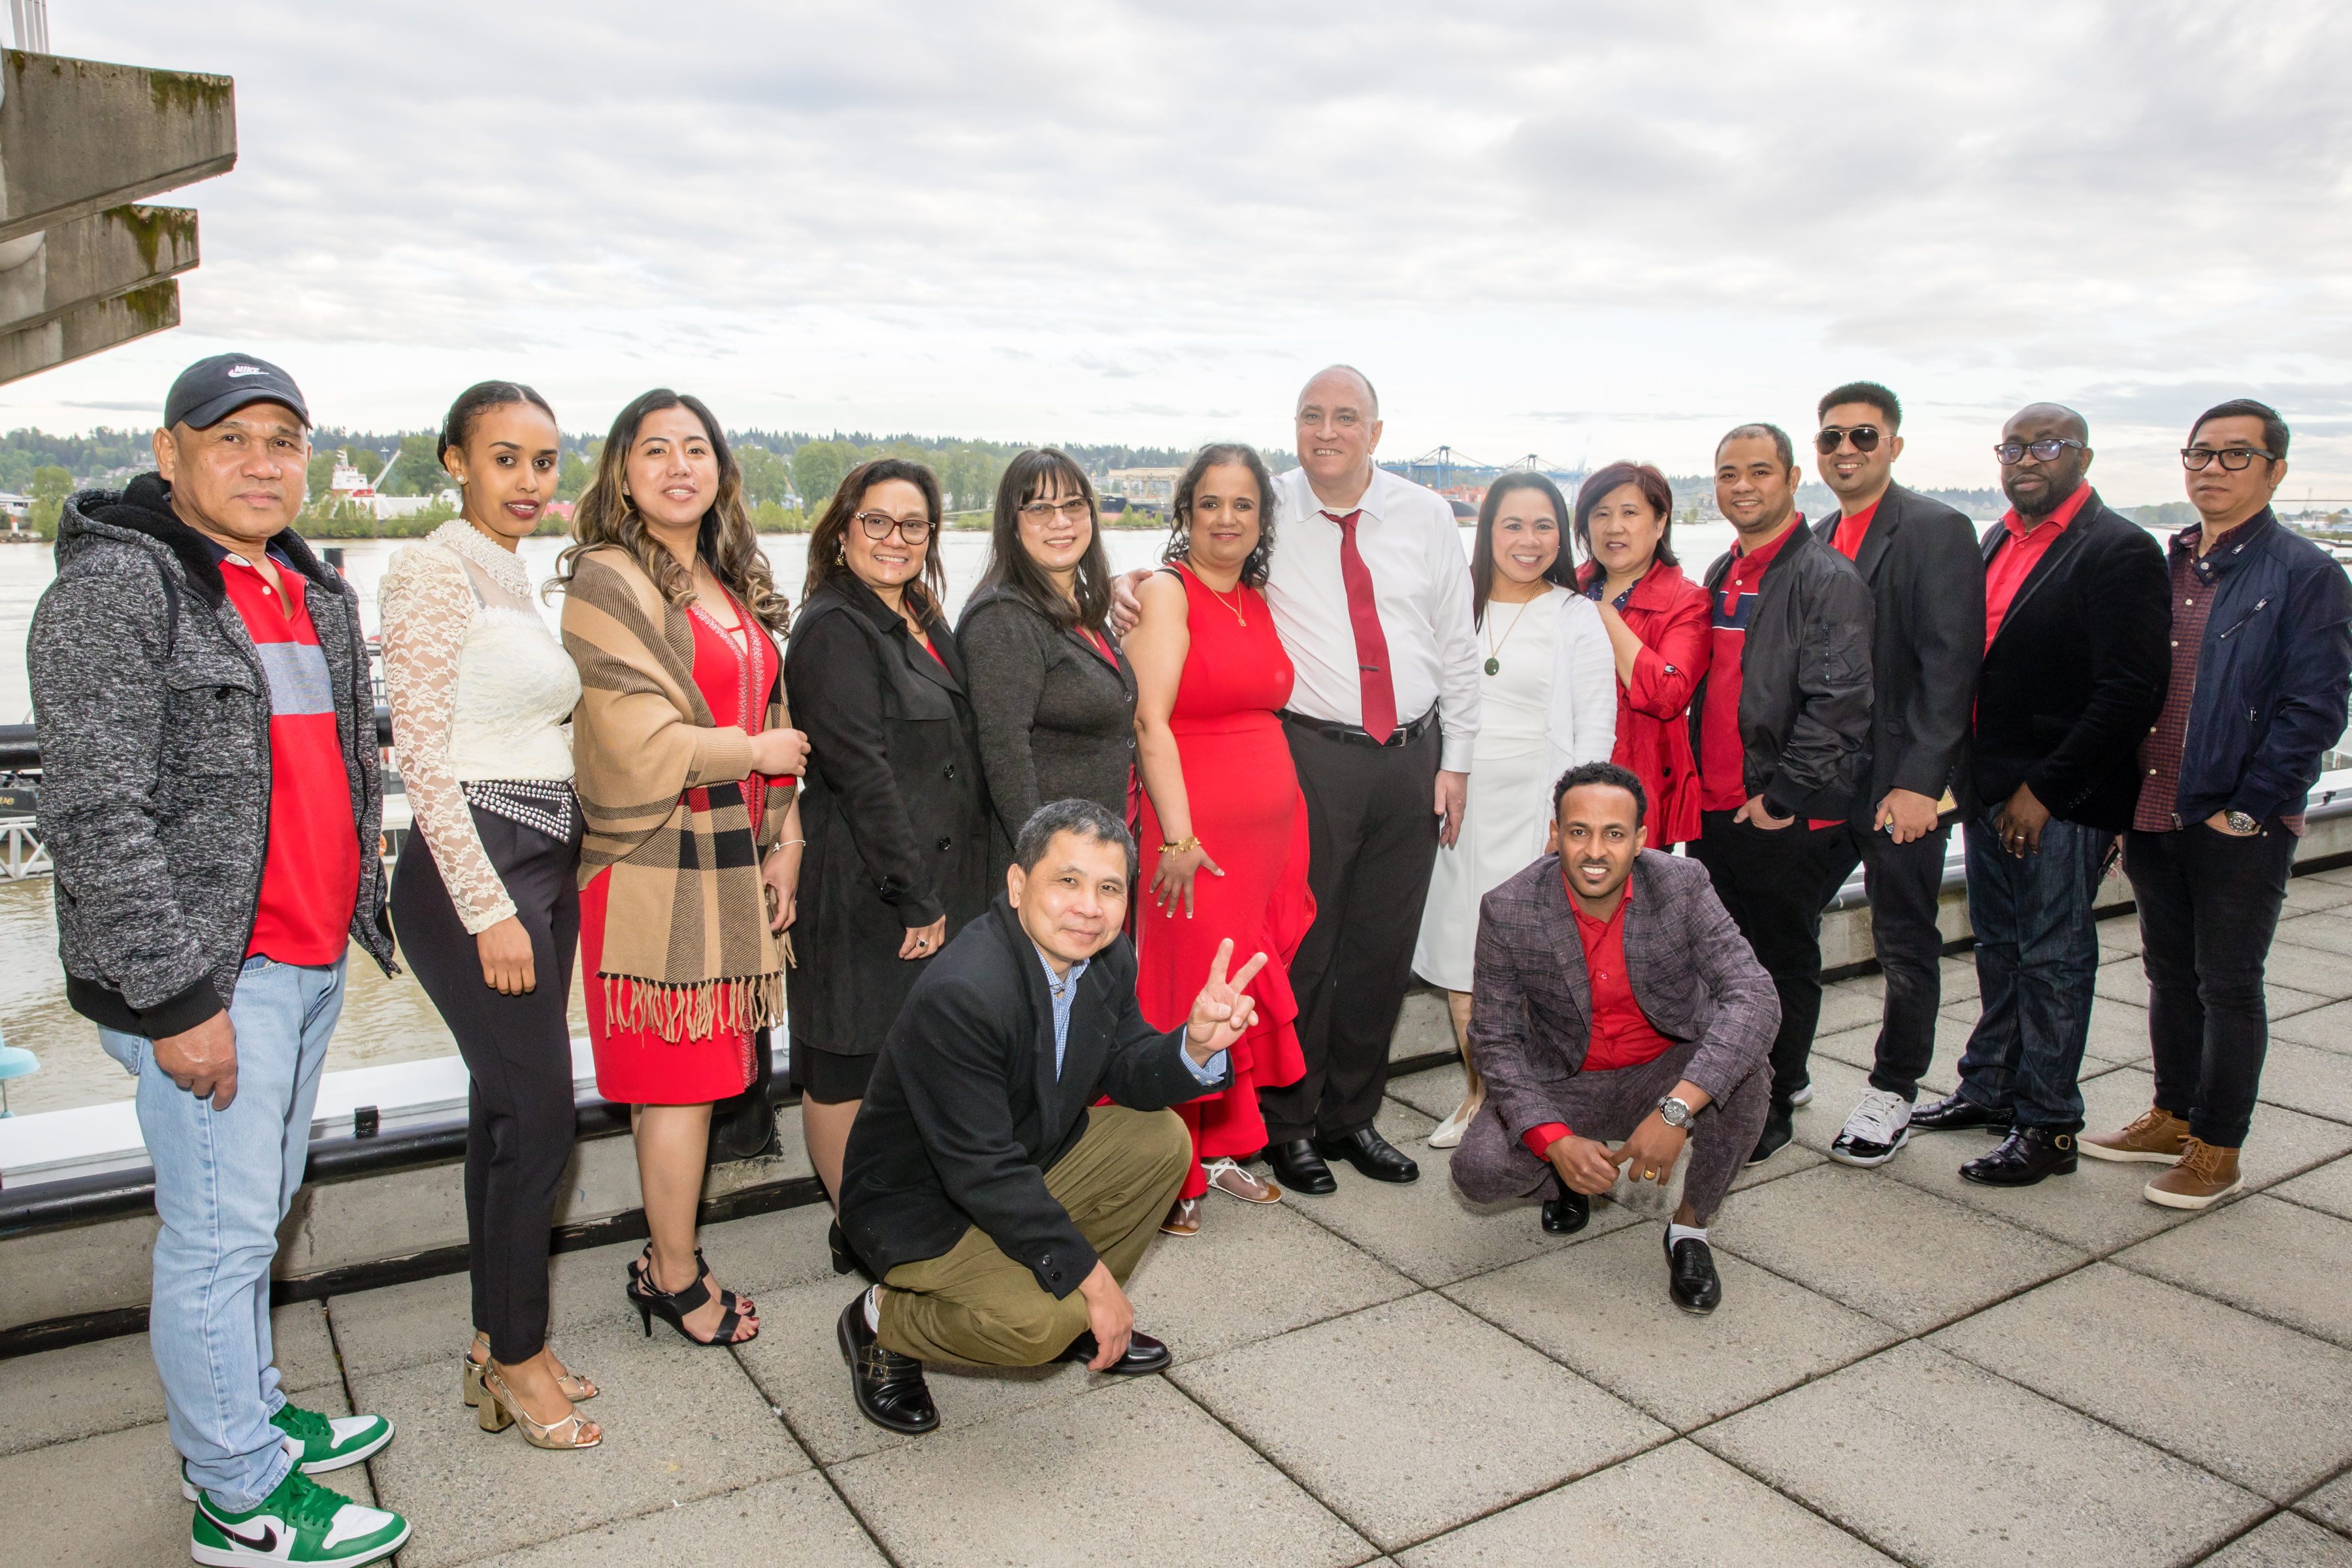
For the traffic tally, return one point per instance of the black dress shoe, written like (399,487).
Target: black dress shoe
(888,1387)
(1780,1126)
(1371,1155)
(1300,1169)
(1956,1112)
(1144,1354)
(1566,1214)
(2024,1157)
(1691,1278)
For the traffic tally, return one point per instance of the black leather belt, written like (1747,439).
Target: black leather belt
(1353,735)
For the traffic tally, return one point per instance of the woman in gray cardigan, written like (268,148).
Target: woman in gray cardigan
(1054,695)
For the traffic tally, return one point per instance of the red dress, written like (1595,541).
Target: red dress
(735,673)
(1671,615)
(1251,819)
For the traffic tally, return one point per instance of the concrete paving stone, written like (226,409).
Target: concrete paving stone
(1935,1461)
(2329,1028)
(798,1521)
(106,1386)
(1850,1004)
(2249,1400)
(2332,1504)
(1603,1310)
(1796,1157)
(2310,893)
(1676,1507)
(2329,1188)
(1401,1124)
(680,1422)
(2285,1541)
(2328,975)
(1885,1248)
(1430,1232)
(2118,937)
(2271,1258)
(2308,1079)
(2124,983)
(1435,1091)
(2329,931)
(1324,1404)
(1135,1475)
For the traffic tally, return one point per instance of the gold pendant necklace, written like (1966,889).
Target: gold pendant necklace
(1238,601)
(1495,648)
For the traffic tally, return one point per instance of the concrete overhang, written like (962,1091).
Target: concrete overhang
(92,258)
(90,328)
(78,137)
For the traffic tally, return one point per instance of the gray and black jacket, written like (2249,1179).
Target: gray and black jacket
(152,709)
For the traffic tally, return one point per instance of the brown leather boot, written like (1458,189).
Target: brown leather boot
(2205,1176)
(2157,1138)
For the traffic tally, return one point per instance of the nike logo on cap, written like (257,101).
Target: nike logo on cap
(246,370)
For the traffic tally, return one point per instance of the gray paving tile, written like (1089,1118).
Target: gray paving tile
(1937,1461)
(1401,1124)
(2306,969)
(2129,983)
(2329,1028)
(2329,1187)
(2273,1259)
(1435,1092)
(680,1423)
(1796,1157)
(2306,1079)
(1676,1507)
(2332,1504)
(1171,1488)
(2318,890)
(2330,932)
(1325,1403)
(1850,1004)
(1602,1311)
(1930,1262)
(2285,1541)
(2268,1404)
(2118,938)
(797,1520)
(2118,1035)
(106,1386)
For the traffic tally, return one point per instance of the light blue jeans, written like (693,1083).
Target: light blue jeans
(224,1180)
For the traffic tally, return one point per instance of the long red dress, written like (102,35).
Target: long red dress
(735,672)
(1250,816)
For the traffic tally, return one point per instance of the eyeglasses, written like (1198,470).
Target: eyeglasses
(2232,457)
(1074,510)
(878,525)
(2045,450)
(1863,436)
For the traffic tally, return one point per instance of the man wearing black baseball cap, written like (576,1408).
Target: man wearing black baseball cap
(210,795)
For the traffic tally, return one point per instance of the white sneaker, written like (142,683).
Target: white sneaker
(1802,1097)
(1879,1124)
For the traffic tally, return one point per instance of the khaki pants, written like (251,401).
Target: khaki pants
(974,1304)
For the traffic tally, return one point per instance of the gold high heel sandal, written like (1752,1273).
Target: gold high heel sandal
(576,1386)
(500,1411)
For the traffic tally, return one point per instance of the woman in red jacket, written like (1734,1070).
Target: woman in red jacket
(1658,623)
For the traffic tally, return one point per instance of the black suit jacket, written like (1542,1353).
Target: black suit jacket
(2076,672)
(1926,577)
(965,1115)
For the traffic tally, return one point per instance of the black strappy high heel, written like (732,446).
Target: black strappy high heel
(672,1307)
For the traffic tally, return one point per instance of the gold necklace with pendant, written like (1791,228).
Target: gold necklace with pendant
(1494,649)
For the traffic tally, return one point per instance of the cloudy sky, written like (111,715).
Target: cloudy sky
(1584,231)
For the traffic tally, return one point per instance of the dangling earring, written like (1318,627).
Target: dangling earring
(841,555)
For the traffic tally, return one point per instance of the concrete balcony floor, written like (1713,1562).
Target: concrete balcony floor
(1905,1369)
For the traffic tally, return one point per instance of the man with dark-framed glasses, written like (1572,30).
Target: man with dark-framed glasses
(2260,653)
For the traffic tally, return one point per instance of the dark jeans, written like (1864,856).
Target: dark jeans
(2208,905)
(1903,882)
(2037,954)
(1775,885)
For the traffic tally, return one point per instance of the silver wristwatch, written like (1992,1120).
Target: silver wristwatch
(2241,823)
(1675,1114)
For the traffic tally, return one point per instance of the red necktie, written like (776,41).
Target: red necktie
(1371,643)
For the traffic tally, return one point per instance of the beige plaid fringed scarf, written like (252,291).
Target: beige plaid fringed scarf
(686,945)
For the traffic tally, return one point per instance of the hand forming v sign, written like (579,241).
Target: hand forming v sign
(1222,1012)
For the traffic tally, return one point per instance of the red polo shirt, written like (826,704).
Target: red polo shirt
(2014,561)
(1622,1035)
(1854,527)
(1722,759)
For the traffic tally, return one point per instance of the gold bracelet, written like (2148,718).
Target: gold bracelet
(1183,845)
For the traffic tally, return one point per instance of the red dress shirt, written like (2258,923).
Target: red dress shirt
(1622,1035)
(1854,527)
(2014,561)
(1722,759)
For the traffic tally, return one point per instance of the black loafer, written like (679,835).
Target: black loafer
(1371,1155)
(1300,1169)
(1956,1112)
(1144,1354)
(888,1387)
(1691,1278)
(2024,1157)
(1780,1126)
(1567,1213)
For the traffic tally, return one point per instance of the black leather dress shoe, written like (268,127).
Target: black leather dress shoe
(1780,1126)
(1144,1354)
(2024,1157)
(1956,1112)
(888,1387)
(1371,1155)
(1300,1169)
(1691,1278)
(1566,1214)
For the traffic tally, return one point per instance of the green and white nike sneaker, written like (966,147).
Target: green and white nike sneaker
(319,1443)
(300,1523)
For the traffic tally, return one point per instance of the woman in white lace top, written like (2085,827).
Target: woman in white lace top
(484,900)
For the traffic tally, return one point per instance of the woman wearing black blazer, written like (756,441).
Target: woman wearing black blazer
(1054,695)
(892,803)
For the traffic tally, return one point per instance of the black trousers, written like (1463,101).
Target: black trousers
(1375,839)
(2208,905)
(1776,884)
(1903,882)
(519,1051)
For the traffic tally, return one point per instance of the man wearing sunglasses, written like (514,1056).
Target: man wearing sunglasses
(2262,662)
(2074,670)
(1926,580)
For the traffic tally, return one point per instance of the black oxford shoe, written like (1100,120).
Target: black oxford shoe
(1956,1112)
(1144,1354)
(1566,1214)
(1691,1278)
(2024,1157)
(888,1387)
(1371,1155)
(1300,1169)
